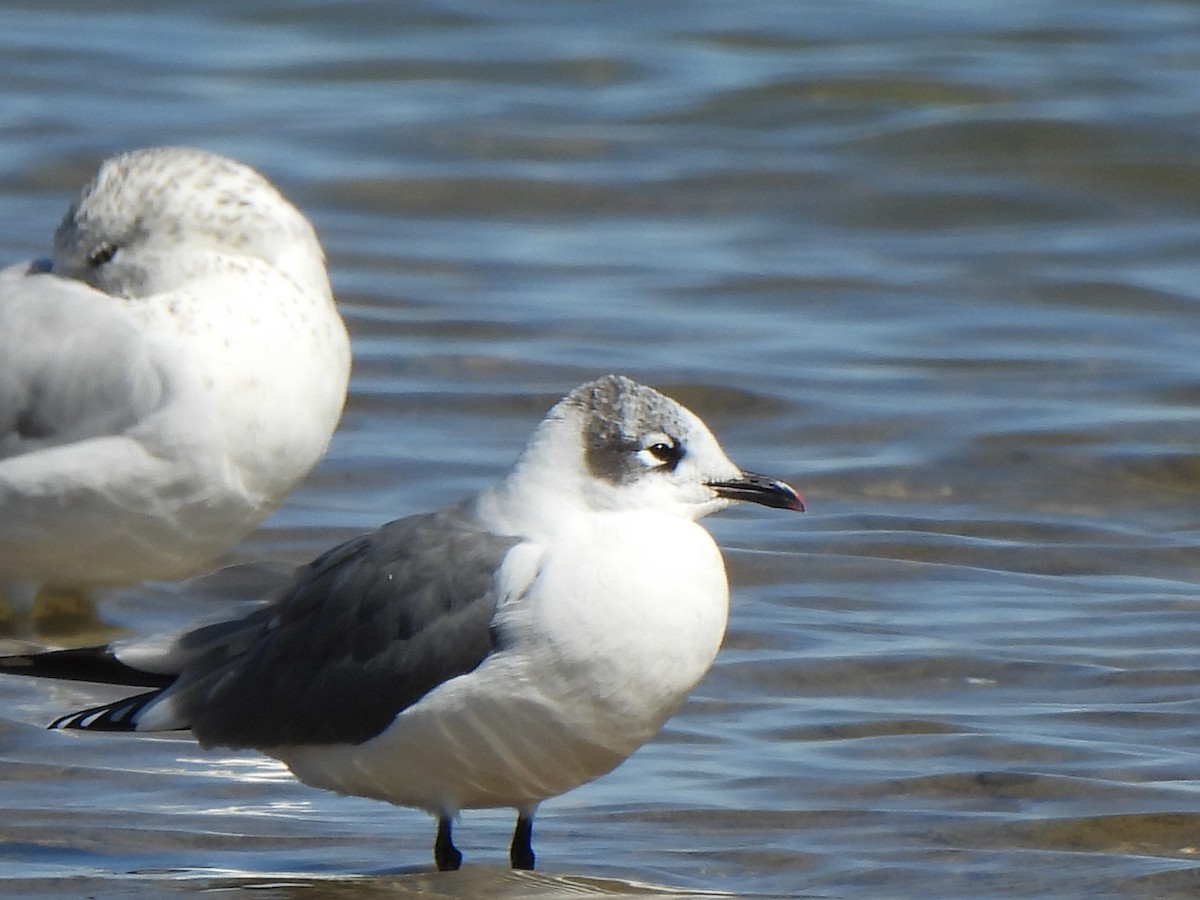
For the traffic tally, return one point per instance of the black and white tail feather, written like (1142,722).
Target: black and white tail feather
(97,665)
(119,716)
(156,662)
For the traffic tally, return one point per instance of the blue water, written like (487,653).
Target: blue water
(935,264)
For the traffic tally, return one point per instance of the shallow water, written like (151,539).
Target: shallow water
(936,266)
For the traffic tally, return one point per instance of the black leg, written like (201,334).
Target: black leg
(521,851)
(445,854)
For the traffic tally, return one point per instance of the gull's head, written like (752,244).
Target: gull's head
(614,444)
(152,220)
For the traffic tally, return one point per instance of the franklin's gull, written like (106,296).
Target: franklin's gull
(493,654)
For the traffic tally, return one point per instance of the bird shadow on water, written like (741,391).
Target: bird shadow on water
(476,882)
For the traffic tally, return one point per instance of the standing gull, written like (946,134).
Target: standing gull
(166,378)
(493,654)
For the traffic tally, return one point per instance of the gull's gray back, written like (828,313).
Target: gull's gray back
(365,631)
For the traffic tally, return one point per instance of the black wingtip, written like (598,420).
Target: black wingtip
(98,665)
(118,716)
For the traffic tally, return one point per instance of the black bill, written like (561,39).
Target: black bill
(760,489)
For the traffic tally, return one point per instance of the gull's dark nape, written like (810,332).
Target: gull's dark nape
(97,665)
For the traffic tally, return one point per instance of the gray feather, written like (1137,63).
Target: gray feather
(73,369)
(365,631)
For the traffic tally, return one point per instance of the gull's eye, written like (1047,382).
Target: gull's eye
(101,255)
(662,452)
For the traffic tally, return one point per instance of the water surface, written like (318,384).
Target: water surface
(935,265)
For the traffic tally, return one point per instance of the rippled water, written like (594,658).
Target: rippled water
(936,264)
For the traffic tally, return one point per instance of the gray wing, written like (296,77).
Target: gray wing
(73,365)
(365,631)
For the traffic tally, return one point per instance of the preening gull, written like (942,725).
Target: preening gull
(492,654)
(166,378)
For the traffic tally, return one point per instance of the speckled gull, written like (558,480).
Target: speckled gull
(166,378)
(493,654)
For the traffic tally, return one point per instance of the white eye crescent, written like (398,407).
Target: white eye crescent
(101,255)
(660,451)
